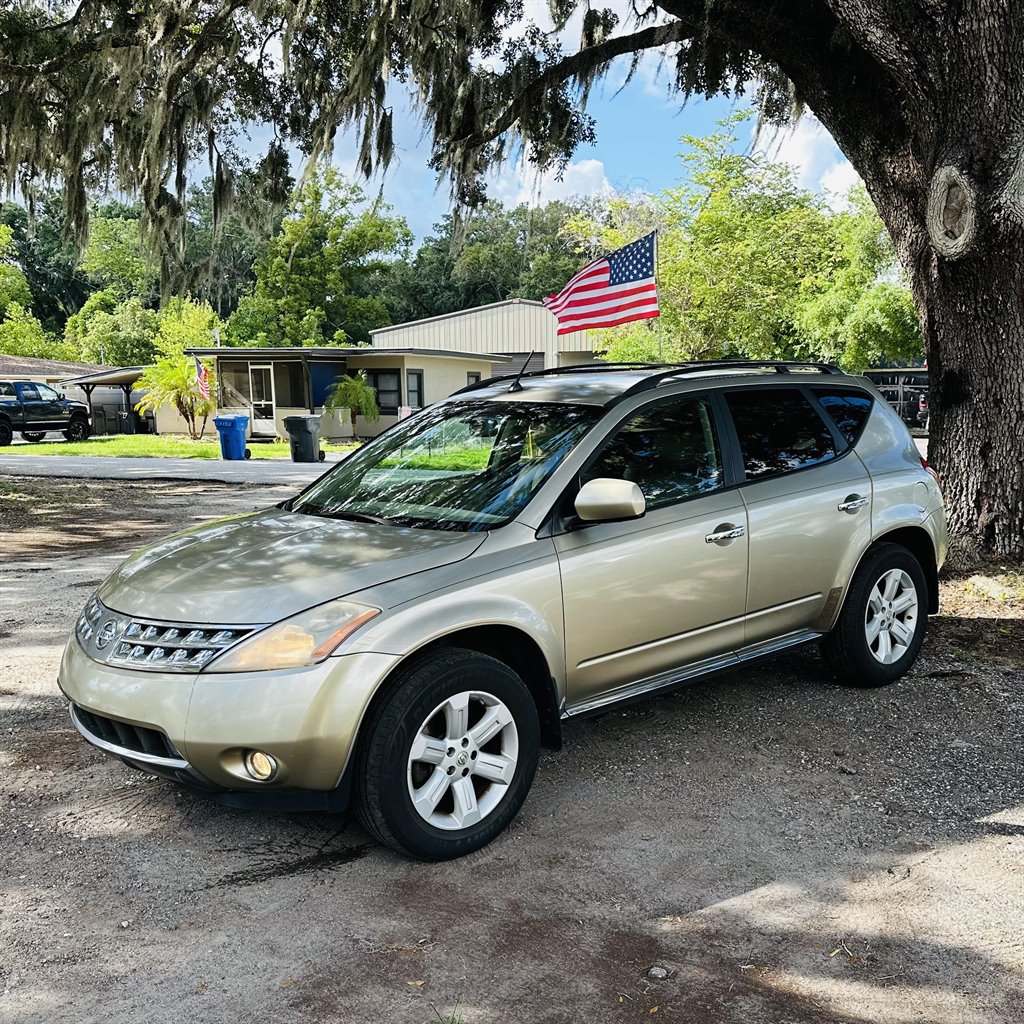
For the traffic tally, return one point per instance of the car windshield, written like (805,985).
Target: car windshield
(462,465)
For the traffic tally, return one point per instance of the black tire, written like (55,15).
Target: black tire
(6,434)
(383,801)
(78,429)
(847,649)
(247,455)
(33,435)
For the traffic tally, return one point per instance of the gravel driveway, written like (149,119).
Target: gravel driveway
(761,849)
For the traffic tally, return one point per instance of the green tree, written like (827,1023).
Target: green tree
(352,392)
(752,265)
(312,281)
(172,379)
(48,262)
(221,252)
(860,314)
(114,258)
(122,334)
(14,287)
(499,253)
(21,334)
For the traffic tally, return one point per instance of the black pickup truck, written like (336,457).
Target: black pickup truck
(33,408)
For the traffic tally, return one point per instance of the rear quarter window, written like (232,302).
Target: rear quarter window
(779,431)
(6,390)
(849,410)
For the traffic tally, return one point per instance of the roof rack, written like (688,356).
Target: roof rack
(581,368)
(668,371)
(778,365)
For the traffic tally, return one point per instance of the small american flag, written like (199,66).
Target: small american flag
(610,291)
(203,379)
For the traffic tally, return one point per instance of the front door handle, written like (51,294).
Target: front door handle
(852,503)
(724,534)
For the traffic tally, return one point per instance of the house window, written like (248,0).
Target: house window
(472,378)
(289,385)
(414,389)
(387,384)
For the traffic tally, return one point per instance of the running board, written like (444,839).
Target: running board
(673,677)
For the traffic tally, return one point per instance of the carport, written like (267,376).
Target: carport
(123,377)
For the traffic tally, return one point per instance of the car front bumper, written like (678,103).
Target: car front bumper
(196,728)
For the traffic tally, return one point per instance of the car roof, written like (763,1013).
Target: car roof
(604,384)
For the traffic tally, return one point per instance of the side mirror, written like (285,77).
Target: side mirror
(605,500)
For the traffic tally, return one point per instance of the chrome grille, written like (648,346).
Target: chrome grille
(148,644)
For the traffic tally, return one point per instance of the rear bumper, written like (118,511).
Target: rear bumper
(195,729)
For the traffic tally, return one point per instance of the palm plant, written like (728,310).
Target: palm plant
(353,393)
(172,381)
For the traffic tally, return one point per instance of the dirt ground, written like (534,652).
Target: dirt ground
(776,848)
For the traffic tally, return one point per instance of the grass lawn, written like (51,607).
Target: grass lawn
(157,446)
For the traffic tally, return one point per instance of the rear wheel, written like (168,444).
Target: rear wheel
(33,435)
(6,434)
(78,429)
(882,624)
(449,756)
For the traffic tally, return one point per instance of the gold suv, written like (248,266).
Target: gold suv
(405,633)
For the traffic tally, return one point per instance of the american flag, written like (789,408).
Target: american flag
(203,379)
(610,291)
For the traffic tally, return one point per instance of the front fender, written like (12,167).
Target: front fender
(527,598)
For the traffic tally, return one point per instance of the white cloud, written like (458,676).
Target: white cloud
(837,181)
(524,184)
(811,151)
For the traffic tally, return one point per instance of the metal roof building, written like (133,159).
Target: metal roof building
(513,328)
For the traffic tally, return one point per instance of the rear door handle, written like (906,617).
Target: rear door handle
(725,533)
(852,503)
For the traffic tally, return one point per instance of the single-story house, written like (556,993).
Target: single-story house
(513,328)
(268,384)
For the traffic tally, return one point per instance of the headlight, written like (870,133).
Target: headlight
(304,639)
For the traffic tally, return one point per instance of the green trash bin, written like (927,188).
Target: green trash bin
(304,438)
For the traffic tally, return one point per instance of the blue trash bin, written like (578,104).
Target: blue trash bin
(231,430)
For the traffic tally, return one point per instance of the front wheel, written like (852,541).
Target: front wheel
(882,625)
(449,756)
(33,435)
(78,429)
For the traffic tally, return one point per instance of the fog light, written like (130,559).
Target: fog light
(262,767)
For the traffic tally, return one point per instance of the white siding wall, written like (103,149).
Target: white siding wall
(505,328)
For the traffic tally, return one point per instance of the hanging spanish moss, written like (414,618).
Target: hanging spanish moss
(139,97)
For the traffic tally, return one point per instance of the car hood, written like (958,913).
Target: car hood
(265,566)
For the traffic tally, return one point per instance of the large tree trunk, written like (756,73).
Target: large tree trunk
(931,118)
(974,330)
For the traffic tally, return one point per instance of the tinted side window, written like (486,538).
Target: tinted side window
(6,390)
(669,451)
(849,410)
(28,392)
(779,431)
(46,394)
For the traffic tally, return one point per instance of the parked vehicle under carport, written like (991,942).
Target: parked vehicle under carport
(32,409)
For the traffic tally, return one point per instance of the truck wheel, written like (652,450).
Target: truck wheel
(33,435)
(78,429)
(6,434)
(448,758)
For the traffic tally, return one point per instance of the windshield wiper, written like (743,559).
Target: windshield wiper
(356,517)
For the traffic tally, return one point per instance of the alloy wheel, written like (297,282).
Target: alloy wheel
(462,760)
(890,619)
